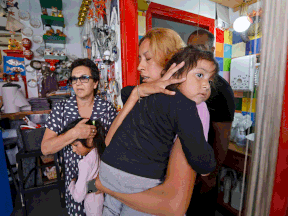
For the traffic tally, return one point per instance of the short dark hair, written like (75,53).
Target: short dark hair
(211,37)
(89,64)
(98,140)
(190,55)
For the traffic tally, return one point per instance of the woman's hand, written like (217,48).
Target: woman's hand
(84,131)
(159,86)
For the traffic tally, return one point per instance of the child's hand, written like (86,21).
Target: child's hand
(74,179)
(159,86)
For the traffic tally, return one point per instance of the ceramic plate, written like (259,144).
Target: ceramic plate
(35,23)
(24,15)
(28,32)
(32,83)
(29,69)
(37,39)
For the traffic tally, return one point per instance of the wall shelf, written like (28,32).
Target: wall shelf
(51,3)
(54,39)
(53,21)
(54,57)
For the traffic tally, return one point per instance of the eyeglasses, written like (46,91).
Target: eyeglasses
(83,79)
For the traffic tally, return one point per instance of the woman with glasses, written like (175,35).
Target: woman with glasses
(84,104)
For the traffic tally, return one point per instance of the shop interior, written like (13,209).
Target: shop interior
(40,39)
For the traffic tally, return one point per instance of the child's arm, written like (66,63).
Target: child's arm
(79,189)
(204,117)
(145,90)
(188,126)
(170,198)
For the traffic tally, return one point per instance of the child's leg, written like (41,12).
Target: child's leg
(121,182)
(112,206)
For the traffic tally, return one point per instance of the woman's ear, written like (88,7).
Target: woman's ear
(90,142)
(96,84)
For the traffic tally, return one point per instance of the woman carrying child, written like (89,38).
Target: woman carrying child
(85,104)
(173,196)
(138,154)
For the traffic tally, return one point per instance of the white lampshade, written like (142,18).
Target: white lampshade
(241,24)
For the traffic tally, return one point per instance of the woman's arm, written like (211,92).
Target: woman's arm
(52,143)
(170,198)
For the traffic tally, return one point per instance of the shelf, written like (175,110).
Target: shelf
(20,115)
(239,149)
(53,21)
(54,39)
(54,57)
(14,53)
(51,3)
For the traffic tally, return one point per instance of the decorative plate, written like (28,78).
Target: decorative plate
(24,15)
(37,39)
(28,32)
(32,83)
(29,69)
(35,23)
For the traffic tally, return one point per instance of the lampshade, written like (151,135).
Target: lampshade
(242,23)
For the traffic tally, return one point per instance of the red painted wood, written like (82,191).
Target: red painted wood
(176,15)
(219,36)
(279,203)
(129,41)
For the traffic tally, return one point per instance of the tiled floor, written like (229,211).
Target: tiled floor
(47,203)
(42,203)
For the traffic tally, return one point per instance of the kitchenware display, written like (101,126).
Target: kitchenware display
(24,15)
(27,31)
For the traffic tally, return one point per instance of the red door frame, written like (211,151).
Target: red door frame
(129,32)
(129,41)
(176,15)
(279,203)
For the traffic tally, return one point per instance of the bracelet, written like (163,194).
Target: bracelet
(139,98)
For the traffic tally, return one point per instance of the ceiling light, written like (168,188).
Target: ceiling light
(242,23)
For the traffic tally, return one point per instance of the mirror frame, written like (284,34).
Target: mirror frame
(176,15)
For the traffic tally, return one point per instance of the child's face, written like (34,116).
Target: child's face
(198,80)
(79,149)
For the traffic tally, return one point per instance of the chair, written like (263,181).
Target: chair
(31,139)
(11,143)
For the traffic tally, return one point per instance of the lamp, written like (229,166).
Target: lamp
(242,23)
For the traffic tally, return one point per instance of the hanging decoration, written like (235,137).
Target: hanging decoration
(99,10)
(83,12)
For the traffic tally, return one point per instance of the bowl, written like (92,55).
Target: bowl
(38,118)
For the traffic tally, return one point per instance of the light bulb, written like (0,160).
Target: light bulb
(242,23)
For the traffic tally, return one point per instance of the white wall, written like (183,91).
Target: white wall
(70,13)
(207,8)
